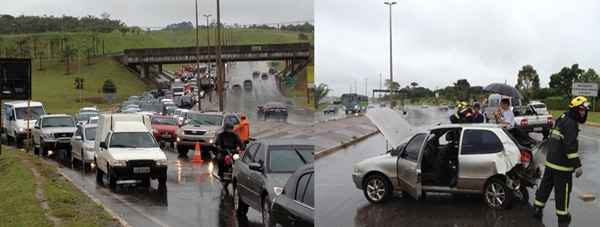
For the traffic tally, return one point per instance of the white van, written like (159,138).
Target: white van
(127,153)
(15,116)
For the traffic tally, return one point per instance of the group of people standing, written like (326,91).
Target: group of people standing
(466,113)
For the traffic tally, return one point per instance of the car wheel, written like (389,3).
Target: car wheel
(99,176)
(162,183)
(497,195)
(377,188)
(112,179)
(240,207)
(266,212)
(43,150)
(145,183)
(182,150)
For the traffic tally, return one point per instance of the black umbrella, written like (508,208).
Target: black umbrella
(503,89)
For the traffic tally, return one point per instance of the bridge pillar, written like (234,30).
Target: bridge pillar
(144,71)
(160,68)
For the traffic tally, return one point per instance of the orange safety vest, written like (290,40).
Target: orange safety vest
(244,130)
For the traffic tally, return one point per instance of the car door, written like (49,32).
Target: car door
(257,179)
(479,150)
(301,215)
(102,155)
(243,172)
(76,143)
(409,170)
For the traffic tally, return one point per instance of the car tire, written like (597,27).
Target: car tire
(182,150)
(497,195)
(145,183)
(240,207)
(112,179)
(266,212)
(377,188)
(162,183)
(99,177)
(43,150)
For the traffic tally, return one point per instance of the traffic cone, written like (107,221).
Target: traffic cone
(197,155)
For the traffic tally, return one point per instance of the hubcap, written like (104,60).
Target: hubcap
(375,189)
(495,195)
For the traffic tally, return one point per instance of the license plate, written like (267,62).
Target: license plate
(537,129)
(141,169)
(166,135)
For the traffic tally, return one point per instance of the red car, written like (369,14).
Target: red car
(164,128)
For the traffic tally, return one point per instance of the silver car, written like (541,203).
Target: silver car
(476,159)
(53,131)
(82,144)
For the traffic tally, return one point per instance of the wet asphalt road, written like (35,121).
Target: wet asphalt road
(340,203)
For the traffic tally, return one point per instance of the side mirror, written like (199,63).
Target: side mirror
(77,138)
(256,166)
(103,145)
(394,152)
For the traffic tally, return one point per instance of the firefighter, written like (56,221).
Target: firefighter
(562,160)
(459,116)
(244,130)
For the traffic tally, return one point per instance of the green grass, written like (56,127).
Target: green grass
(593,117)
(20,207)
(56,90)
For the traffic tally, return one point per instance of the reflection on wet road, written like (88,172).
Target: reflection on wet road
(340,203)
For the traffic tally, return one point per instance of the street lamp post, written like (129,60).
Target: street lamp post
(390,4)
(220,73)
(198,61)
(208,48)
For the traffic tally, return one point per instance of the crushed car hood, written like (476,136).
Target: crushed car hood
(391,124)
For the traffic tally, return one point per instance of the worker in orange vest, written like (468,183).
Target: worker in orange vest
(244,130)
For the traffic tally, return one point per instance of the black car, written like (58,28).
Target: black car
(275,110)
(247,85)
(330,110)
(263,171)
(264,76)
(296,204)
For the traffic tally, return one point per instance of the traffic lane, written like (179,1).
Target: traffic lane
(193,197)
(340,203)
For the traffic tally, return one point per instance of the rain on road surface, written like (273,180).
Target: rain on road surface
(340,203)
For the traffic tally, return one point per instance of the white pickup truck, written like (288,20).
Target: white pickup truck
(529,118)
(127,153)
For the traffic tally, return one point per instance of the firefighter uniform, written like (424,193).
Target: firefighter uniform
(561,160)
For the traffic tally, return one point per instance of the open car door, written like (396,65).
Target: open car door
(409,170)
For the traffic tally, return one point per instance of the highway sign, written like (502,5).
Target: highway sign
(15,78)
(585,89)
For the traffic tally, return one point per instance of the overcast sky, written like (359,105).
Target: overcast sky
(150,13)
(437,42)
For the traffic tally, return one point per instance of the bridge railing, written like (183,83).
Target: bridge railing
(234,49)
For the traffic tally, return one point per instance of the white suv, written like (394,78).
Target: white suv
(126,152)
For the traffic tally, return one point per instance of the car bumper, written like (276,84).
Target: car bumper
(127,172)
(57,143)
(535,128)
(88,156)
(192,142)
(357,179)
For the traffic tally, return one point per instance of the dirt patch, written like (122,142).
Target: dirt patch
(39,192)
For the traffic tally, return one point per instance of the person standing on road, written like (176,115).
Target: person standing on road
(562,159)
(244,130)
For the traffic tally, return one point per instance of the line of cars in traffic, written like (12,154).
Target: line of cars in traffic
(275,177)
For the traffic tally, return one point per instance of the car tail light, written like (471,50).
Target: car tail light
(524,122)
(525,157)
(550,121)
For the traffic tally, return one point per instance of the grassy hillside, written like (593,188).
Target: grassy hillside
(116,41)
(57,91)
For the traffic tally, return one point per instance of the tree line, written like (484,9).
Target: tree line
(304,28)
(37,24)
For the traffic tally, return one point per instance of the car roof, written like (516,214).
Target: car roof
(129,127)
(469,126)
(286,142)
(21,103)
(55,115)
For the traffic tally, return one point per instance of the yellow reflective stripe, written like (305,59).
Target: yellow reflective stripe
(558,167)
(566,210)
(556,132)
(538,203)
(572,155)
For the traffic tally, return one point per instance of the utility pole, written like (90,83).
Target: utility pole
(380,85)
(220,73)
(197,71)
(390,4)
(207,48)
(366,91)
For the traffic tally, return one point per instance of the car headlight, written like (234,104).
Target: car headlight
(278,190)
(236,156)
(162,162)
(178,139)
(21,129)
(119,163)
(211,141)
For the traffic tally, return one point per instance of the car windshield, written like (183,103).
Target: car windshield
(286,159)
(90,133)
(84,116)
(206,119)
(58,122)
(36,112)
(132,140)
(539,106)
(164,121)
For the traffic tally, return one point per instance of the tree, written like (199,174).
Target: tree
(392,85)
(302,36)
(109,87)
(68,54)
(462,89)
(528,82)
(414,84)
(320,92)
(563,80)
